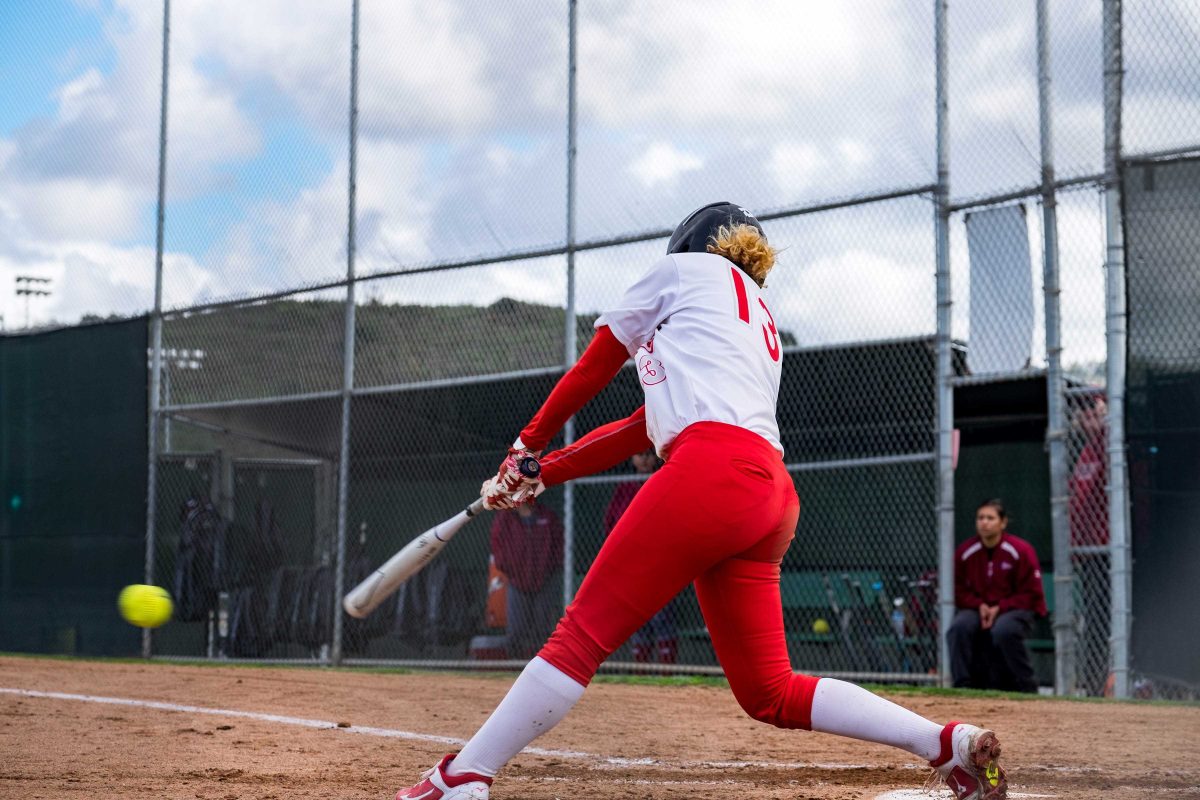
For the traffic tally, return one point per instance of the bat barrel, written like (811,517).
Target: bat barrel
(411,559)
(358,602)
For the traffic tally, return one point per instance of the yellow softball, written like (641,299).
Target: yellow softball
(145,606)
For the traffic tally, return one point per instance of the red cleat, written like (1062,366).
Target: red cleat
(970,763)
(436,784)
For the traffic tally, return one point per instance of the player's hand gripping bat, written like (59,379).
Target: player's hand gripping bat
(412,558)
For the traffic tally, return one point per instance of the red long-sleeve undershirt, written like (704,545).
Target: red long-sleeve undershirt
(600,449)
(595,368)
(605,446)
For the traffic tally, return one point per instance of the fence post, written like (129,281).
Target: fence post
(571,334)
(1056,425)
(1115,336)
(339,566)
(156,325)
(945,367)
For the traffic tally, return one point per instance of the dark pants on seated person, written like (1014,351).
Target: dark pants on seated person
(993,659)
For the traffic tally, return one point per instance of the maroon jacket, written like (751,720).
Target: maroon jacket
(527,553)
(1008,575)
(622,496)
(1089,495)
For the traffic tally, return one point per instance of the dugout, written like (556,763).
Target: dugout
(1002,453)
(858,420)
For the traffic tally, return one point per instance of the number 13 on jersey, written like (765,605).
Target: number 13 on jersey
(770,333)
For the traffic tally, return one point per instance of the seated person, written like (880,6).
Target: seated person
(997,590)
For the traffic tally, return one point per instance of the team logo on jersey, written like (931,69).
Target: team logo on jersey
(651,370)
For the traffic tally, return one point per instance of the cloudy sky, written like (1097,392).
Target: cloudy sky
(463,139)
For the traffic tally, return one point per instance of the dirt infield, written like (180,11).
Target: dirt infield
(61,738)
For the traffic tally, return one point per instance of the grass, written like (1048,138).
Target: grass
(664,681)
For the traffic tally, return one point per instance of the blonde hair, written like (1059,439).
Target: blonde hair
(746,247)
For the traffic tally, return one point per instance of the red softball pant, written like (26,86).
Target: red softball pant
(721,512)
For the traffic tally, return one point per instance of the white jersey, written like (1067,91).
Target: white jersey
(704,345)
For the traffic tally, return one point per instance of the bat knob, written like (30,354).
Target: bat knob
(530,467)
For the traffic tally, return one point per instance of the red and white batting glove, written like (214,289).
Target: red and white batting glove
(517,482)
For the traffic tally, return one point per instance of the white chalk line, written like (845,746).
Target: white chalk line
(391,733)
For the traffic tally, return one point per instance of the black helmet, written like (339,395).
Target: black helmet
(694,233)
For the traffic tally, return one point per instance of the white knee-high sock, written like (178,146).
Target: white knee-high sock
(849,710)
(540,698)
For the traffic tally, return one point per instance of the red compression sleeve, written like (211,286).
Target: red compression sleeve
(595,368)
(600,449)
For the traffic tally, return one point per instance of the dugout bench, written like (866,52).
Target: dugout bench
(857,636)
(860,637)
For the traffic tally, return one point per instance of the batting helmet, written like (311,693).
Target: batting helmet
(700,227)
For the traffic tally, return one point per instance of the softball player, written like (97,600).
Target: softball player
(720,513)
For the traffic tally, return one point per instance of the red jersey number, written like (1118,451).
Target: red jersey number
(770,334)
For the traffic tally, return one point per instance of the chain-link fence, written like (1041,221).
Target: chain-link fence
(507,176)
(1164,386)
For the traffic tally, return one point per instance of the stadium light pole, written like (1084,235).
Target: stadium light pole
(31,286)
(179,358)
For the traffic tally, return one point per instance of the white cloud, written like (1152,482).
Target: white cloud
(1003,42)
(540,280)
(1081,264)
(662,163)
(1153,121)
(90,277)
(718,61)
(73,96)
(501,158)
(206,130)
(462,127)
(421,65)
(76,208)
(1079,137)
(853,296)
(855,154)
(795,165)
(1013,100)
(397,216)
(276,245)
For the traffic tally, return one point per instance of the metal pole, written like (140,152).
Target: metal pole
(570,355)
(166,383)
(945,391)
(156,322)
(1056,426)
(339,566)
(1115,336)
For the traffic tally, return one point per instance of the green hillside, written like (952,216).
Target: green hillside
(294,347)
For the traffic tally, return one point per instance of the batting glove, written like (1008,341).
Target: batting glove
(517,482)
